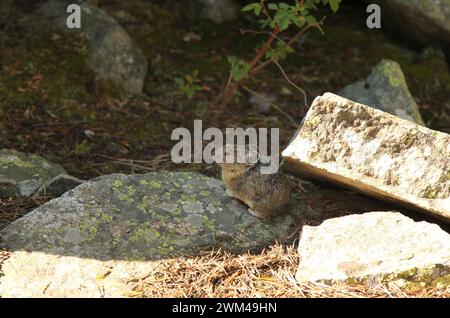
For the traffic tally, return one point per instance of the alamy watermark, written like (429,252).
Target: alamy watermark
(189,149)
(251,146)
(73,20)
(374,19)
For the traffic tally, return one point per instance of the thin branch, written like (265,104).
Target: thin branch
(262,51)
(232,87)
(292,83)
(230,78)
(264,10)
(294,123)
(244,31)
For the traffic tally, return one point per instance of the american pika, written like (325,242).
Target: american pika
(266,195)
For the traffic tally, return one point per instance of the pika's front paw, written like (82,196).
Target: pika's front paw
(256,213)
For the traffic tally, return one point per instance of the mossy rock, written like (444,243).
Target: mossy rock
(113,54)
(122,225)
(387,90)
(143,217)
(23,174)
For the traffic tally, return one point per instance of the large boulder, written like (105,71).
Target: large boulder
(373,152)
(113,55)
(387,90)
(425,21)
(376,247)
(98,238)
(23,175)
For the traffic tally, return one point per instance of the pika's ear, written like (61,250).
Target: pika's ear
(264,161)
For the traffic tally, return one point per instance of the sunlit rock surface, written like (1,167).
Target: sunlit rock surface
(373,248)
(373,152)
(116,227)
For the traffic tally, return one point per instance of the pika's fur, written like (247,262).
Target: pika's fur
(266,195)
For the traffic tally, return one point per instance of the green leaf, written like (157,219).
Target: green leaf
(280,52)
(187,84)
(310,19)
(334,4)
(232,59)
(273,6)
(299,22)
(255,7)
(284,6)
(284,23)
(250,7)
(283,19)
(239,70)
(304,11)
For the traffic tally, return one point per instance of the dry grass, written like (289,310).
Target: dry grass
(4,254)
(14,208)
(268,274)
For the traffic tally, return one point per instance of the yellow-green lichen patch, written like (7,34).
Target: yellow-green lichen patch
(131,190)
(117,184)
(435,276)
(413,279)
(208,223)
(125,197)
(393,73)
(144,233)
(105,218)
(137,222)
(19,166)
(155,184)
(143,205)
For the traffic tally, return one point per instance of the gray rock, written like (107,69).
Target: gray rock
(118,227)
(23,175)
(376,247)
(58,185)
(425,21)
(385,89)
(219,11)
(373,152)
(113,55)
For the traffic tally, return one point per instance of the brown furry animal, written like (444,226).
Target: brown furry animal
(266,195)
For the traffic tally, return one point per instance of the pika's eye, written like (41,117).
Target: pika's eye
(264,160)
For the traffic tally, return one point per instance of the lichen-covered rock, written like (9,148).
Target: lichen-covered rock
(385,89)
(113,55)
(376,247)
(22,175)
(375,153)
(219,11)
(116,227)
(425,21)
